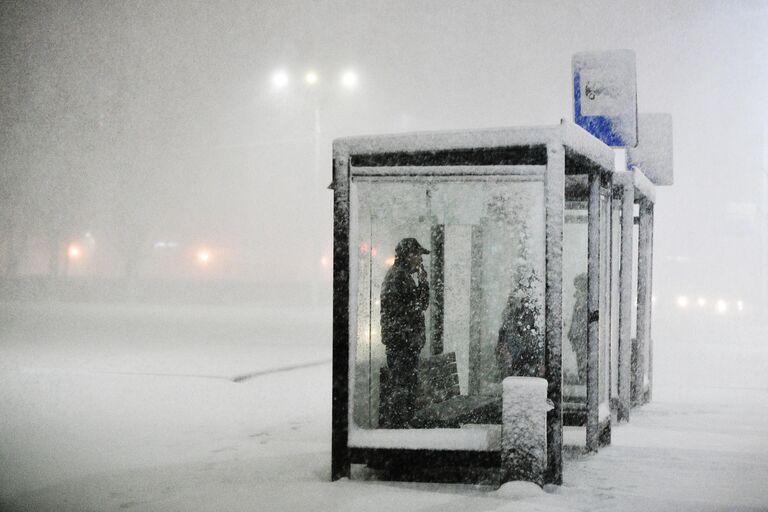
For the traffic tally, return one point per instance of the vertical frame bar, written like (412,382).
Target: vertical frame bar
(555,206)
(625,314)
(643,298)
(340,461)
(476,307)
(593,315)
(437,288)
(649,393)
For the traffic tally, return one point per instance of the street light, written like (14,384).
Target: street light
(311,78)
(280,79)
(349,79)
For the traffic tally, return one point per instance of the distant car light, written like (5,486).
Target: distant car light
(721,306)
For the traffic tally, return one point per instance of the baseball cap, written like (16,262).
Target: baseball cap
(409,246)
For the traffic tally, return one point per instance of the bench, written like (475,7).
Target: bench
(439,402)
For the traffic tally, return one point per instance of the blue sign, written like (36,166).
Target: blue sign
(605,96)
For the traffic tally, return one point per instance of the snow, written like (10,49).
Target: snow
(473,437)
(524,433)
(85,426)
(565,133)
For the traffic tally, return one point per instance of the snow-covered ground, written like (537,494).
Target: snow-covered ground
(115,407)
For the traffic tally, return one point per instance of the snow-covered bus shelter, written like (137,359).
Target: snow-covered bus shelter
(518,254)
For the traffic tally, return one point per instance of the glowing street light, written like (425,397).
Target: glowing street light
(349,79)
(280,79)
(311,78)
(701,301)
(740,305)
(682,301)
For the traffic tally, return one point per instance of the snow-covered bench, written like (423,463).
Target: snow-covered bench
(439,403)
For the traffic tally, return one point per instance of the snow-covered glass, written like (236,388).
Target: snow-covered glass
(482,286)
(575,301)
(590,315)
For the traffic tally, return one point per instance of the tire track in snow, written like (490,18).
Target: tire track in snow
(247,376)
(236,379)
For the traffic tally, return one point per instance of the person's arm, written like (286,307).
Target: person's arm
(422,289)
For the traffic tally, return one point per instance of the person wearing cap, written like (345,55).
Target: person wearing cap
(404,297)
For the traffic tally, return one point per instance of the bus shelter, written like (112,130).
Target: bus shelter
(521,236)
(607,256)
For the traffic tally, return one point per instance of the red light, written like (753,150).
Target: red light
(203,257)
(74,252)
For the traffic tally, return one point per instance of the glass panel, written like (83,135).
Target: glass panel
(482,282)
(575,238)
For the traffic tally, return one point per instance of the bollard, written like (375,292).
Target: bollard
(524,429)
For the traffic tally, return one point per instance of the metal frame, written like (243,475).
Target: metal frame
(641,393)
(624,182)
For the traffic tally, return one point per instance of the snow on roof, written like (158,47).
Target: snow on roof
(643,185)
(567,134)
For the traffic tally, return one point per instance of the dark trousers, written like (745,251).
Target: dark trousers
(403,381)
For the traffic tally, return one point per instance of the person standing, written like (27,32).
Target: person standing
(404,298)
(577,332)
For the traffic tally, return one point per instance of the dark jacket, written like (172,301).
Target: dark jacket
(402,309)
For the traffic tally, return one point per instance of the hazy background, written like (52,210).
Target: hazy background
(147,133)
(146,156)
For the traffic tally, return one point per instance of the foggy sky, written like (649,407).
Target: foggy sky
(157,120)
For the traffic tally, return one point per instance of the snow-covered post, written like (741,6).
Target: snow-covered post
(340,464)
(625,320)
(553,304)
(524,429)
(593,318)
(644,299)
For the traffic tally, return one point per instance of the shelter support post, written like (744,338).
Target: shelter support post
(644,255)
(555,206)
(649,393)
(625,304)
(340,461)
(437,288)
(593,314)
(476,309)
